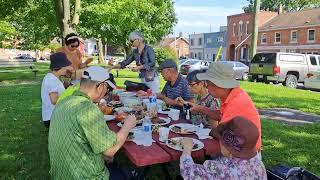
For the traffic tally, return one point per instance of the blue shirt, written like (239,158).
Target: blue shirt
(179,89)
(146,58)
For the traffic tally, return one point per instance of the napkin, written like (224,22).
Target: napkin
(139,137)
(203,133)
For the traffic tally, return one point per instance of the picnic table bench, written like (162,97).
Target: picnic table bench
(24,65)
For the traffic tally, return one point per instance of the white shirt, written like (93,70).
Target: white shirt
(50,84)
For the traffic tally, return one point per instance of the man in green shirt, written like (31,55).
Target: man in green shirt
(79,139)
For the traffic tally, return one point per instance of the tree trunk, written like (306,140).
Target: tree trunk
(100,49)
(254,41)
(76,15)
(66,18)
(59,16)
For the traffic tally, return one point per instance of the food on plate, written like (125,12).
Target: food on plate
(138,108)
(178,129)
(121,116)
(177,142)
(142,93)
(139,115)
(106,110)
(157,120)
(155,128)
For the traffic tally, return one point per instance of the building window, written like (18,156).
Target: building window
(208,56)
(294,36)
(311,35)
(220,39)
(264,38)
(195,55)
(191,54)
(209,40)
(234,29)
(277,38)
(240,28)
(200,41)
(247,28)
(191,41)
(200,55)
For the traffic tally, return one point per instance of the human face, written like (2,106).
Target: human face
(73,46)
(165,74)
(214,90)
(196,87)
(66,71)
(135,43)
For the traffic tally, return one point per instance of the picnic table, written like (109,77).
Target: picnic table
(159,152)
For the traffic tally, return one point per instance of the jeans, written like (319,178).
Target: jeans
(117,173)
(153,85)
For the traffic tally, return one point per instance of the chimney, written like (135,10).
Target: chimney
(180,34)
(280,9)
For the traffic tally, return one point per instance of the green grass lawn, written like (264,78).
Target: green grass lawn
(23,147)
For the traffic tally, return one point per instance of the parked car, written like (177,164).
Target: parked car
(193,64)
(286,68)
(312,80)
(25,57)
(241,70)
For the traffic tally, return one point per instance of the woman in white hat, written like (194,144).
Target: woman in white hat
(144,56)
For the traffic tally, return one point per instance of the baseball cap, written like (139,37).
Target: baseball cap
(168,63)
(99,74)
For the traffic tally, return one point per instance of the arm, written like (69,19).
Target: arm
(126,62)
(53,97)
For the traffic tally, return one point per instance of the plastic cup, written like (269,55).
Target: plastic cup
(174,114)
(163,134)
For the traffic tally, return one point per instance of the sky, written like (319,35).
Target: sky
(195,16)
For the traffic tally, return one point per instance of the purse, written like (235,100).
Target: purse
(150,75)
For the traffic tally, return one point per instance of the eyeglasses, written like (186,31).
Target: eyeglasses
(132,41)
(193,84)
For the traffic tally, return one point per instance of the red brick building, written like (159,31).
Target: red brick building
(297,32)
(179,44)
(240,27)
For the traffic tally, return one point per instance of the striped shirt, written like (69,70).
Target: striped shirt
(179,89)
(77,137)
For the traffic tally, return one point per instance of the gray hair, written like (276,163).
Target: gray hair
(136,35)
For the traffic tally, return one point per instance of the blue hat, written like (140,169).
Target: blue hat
(59,60)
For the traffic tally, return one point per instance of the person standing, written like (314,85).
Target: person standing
(52,87)
(144,56)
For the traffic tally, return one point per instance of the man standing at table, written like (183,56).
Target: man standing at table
(79,139)
(235,102)
(176,86)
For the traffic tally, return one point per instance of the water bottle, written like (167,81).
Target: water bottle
(153,107)
(147,131)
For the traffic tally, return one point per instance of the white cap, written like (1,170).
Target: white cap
(97,73)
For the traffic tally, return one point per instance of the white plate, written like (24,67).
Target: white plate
(178,146)
(109,117)
(184,126)
(168,120)
(123,109)
(120,124)
(163,112)
(127,94)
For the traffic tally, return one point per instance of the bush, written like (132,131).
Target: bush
(163,53)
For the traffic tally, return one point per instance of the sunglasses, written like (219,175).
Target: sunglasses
(75,46)
(132,41)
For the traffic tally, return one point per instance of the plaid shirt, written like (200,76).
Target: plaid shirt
(78,135)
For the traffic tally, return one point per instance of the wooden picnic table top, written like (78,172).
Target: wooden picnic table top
(159,152)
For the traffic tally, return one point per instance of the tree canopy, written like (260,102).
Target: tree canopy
(288,5)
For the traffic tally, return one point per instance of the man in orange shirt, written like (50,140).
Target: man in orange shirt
(234,101)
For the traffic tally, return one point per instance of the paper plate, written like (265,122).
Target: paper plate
(175,144)
(184,128)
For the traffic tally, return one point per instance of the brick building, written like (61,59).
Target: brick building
(240,27)
(297,32)
(179,44)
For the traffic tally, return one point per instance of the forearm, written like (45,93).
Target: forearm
(214,115)
(170,102)
(121,138)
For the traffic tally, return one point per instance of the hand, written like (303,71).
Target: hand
(195,107)
(160,96)
(134,69)
(130,122)
(83,65)
(180,101)
(187,145)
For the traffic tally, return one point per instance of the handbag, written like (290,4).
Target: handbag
(150,75)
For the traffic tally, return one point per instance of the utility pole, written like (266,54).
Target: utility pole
(254,41)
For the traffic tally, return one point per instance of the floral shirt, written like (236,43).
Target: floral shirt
(223,168)
(207,101)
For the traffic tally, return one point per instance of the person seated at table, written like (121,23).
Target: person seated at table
(220,82)
(239,160)
(204,100)
(176,85)
(79,139)
(52,87)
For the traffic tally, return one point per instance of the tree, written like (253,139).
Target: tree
(254,39)
(7,34)
(114,20)
(288,5)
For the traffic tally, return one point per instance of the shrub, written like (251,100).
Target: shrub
(163,53)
